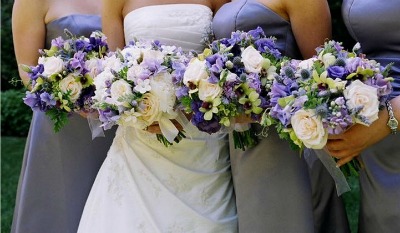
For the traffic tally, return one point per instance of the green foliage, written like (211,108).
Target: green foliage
(15,115)
(59,117)
(12,150)
(9,69)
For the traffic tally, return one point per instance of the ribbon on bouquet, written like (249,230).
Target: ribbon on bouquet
(95,125)
(340,180)
(168,129)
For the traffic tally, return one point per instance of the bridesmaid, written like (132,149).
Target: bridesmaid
(58,168)
(378,146)
(275,190)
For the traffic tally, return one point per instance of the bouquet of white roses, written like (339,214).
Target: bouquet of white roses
(229,80)
(137,88)
(326,94)
(62,82)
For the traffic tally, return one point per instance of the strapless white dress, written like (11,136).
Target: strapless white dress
(145,187)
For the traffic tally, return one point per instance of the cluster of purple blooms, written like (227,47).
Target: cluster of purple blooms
(239,70)
(65,59)
(329,84)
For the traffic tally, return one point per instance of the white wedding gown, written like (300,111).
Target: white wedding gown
(145,187)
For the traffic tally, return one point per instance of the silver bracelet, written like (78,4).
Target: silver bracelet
(392,122)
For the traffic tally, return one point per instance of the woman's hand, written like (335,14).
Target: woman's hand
(155,127)
(351,143)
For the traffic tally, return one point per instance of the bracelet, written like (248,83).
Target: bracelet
(392,122)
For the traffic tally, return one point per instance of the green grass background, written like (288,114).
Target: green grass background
(12,149)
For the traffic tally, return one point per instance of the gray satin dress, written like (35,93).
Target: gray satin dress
(276,191)
(378,32)
(59,169)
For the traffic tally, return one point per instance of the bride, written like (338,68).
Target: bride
(143,186)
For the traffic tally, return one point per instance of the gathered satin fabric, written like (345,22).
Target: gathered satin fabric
(58,169)
(276,191)
(375,25)
(144,186)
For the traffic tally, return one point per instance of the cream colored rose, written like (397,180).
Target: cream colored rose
(69,84)
(307,64)
(358,94)
(252,60)
(119,89)
(51,65)
(309,129)
(163,89)
(328,59)
(195,72)
(208,91)
(149,108)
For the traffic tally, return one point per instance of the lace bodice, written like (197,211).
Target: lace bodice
(184,25)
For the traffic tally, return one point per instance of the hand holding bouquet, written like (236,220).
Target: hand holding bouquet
(62,82)
(326,94)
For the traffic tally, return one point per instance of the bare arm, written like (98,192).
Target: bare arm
(29,33)
(112,23)
(216,4)
(311,23)
(361,137)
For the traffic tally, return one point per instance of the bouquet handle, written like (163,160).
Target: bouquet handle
(340,180)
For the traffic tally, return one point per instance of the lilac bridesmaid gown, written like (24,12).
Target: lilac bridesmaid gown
(276,191)
(376,25)
(58,169)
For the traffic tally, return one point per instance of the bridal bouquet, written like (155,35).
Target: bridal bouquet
(326,94)
(137,88)
(230,80)
(62,82)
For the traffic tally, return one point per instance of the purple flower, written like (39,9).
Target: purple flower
(353,63)
(36,71)
(256,33)
(58,42)
(48,99)
(267,45)
(337,72)
(108,117)
(181,92)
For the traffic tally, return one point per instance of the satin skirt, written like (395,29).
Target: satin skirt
(277,191)
(57,173)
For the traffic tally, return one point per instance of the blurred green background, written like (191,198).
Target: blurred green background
(15,117)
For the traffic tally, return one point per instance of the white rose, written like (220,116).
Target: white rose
(309,129)
(100,94)
(101,80)
(94,66)
(358,94)
(52,65)
(120,88)
(69,84)
(328,59)
(307,64)
(163,89)
(195,72)
(153,55)
(131,53)
(252,60)
(208,91)
(149,108)
(112,63)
